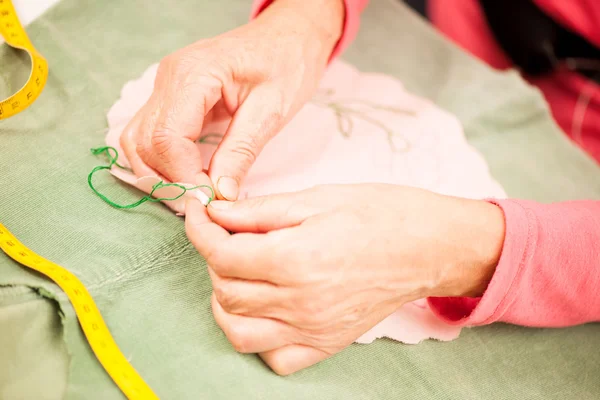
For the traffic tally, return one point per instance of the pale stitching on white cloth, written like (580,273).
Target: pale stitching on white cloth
(344,110)
(529,248)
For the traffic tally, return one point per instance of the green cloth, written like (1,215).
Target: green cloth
(152,286)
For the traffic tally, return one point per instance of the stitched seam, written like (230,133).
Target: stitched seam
(156,265)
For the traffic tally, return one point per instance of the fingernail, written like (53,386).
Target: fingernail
(228,187)
(221,204)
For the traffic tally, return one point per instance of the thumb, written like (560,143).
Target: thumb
(256,121)
(266,213)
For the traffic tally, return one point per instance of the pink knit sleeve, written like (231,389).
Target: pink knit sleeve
(549,269)
(351,21)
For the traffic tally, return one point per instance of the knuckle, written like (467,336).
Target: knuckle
(312,313)
(226,297)
(273,121)
(165,65)
(161,141)
(353,319)
(124,141)
(294,211)
(239,339)
(219,293)
(181,67)
(144,150)
(246,148)
(257,203)
(209,85)
(279,365)
(217,260)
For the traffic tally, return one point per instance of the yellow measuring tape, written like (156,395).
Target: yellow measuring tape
(90,319)
(15,36)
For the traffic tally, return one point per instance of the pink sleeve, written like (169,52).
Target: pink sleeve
(351,21)
(549,269)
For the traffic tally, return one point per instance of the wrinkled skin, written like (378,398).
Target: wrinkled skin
(305,274)
(259,75)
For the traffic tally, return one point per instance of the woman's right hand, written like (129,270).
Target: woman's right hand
(260,75)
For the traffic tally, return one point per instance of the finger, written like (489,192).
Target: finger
(173,151)
(245,256)
(265,213)
(292,358)
(251,335)
(255,122)
(129,139)
(249,298)
(204,234)
(177,159)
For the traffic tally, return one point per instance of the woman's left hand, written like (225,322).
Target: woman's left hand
(305,274)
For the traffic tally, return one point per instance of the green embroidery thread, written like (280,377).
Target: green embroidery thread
(208,139)
(113,161)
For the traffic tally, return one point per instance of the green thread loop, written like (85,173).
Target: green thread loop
(211,138)
(113,161)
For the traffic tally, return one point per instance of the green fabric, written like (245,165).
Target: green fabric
(151,285)
(33,350)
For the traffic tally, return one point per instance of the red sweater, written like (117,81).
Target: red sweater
(549,270)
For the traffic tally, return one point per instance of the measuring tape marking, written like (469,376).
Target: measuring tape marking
(90,319)
(16,37)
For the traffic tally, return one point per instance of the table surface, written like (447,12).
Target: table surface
(151,285)
(29,10)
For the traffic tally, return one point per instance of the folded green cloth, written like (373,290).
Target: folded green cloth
(152,286)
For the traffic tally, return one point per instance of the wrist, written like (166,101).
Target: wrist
(480,230)
(319,21)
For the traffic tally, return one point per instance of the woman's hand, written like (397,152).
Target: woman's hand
(307,273)
(259,74)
